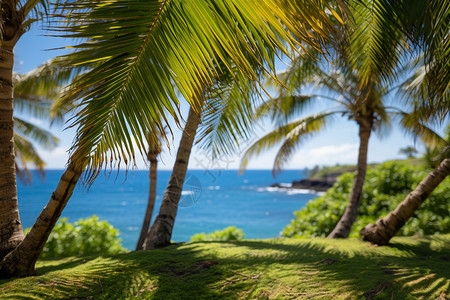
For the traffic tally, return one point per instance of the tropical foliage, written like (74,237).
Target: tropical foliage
(33,99)
(231,233)
(130,56)
(84,237)
(393,32)
(387,227)
(186,39)
(358,80)
(135,58)
(386,186)
(224,119)
(434,156)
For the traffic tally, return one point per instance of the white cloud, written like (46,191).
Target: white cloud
(325,155)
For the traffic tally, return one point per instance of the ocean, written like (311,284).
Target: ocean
(211,200)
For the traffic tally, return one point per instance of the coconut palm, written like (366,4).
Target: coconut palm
(409,151)
(33,94)
(153,152)
(366,65)
(226,114)
(15,19)
(385,228)
(133,52)
(337,83)
(161,230)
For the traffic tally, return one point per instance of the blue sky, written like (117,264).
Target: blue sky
(338,143)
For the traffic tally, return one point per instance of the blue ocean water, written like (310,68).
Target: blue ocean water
(211,200)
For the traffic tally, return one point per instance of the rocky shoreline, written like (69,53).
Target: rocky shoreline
(315,184)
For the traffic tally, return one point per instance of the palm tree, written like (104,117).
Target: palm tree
(15,19)
(226,114)
(339,84)
(132,53)
(367,61)
(385,228)
(161,230)
(409,151)
(152,156)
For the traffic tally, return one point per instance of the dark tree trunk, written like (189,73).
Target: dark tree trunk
(20,262)
(385,228)
(151,201)
(345,224)
(161,231)
(11,231)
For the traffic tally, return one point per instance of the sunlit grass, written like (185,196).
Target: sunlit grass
(410,268)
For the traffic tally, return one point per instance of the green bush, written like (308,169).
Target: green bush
(230,233)
(84,237)
(385,187)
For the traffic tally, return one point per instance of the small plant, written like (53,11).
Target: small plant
(230,233)
(84,237)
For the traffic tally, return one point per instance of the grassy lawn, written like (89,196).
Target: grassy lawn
(409,268)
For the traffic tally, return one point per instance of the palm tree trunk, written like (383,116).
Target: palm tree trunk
(20,262)
(345,224)
(161,231)
(151,202)
(385,228)
(11,231)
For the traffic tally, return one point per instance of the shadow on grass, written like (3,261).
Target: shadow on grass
(70,263)
(253,269)
(413,270)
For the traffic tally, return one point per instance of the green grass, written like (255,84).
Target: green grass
(409,268)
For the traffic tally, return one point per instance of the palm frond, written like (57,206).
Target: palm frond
(135,50)
(45,81)
(415,90)
(26,154)
(382,123)
(291,135)
(227,117)
(428,28)
(33,107)
(389,31)
(40,136)
(376,43)
(37,92)
(413,124)
(283,108)
(37,8)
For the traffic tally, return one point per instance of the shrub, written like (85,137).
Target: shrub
(385,187)
(230,233)
(84,237)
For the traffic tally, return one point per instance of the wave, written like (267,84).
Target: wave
(286,185)
(289,191)
(214,187)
